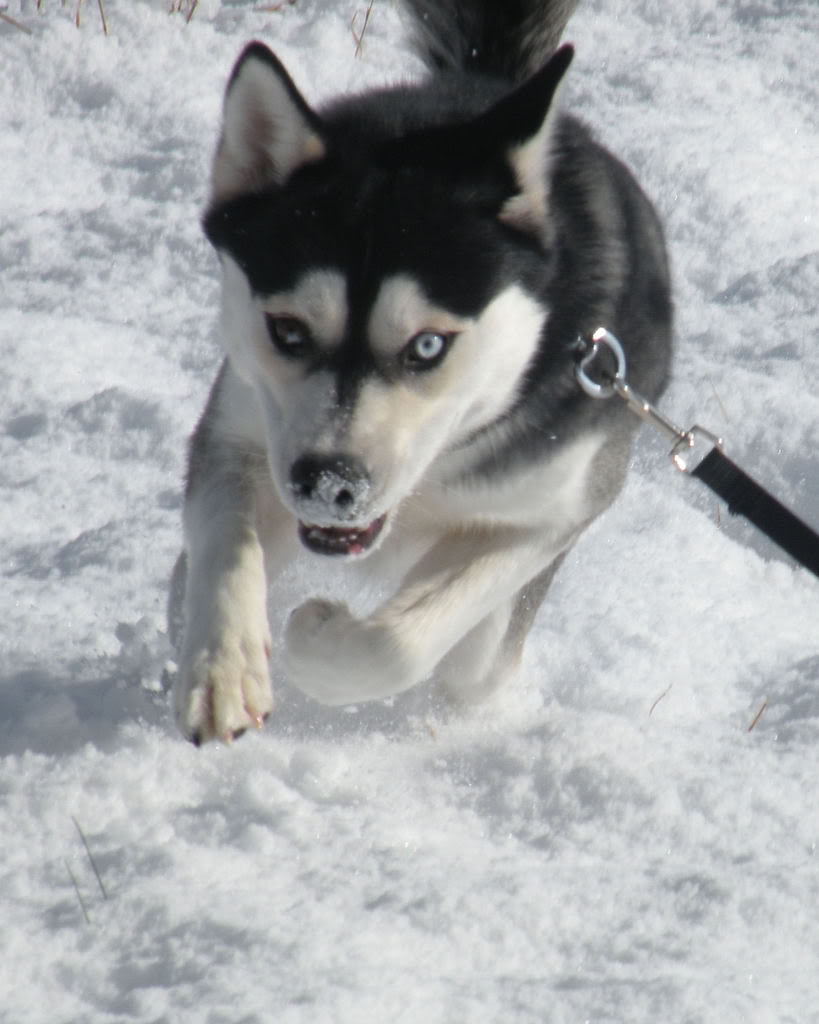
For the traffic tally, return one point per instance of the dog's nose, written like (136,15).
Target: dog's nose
(336,484)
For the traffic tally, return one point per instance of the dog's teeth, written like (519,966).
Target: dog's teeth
(341,540)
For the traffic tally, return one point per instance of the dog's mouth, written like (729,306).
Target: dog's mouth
(340,540)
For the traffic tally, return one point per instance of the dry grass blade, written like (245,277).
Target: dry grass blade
(79,894)
(91,859)
(101,6)
(665,693)
(188,7)
(720,403)
(359,36)
(758,715)
(16,24)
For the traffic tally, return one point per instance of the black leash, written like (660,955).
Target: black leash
(746,498)
(601,372)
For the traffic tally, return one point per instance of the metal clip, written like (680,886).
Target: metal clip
(591,351)
(688,453)
(696,451)
(690,446)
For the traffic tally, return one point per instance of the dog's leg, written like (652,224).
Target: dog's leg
(470,672)
(223,686)
(488,656)
(223,683)
(464,580)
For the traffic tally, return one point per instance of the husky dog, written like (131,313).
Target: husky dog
(404,274)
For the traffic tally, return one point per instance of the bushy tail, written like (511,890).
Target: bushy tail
(508,38)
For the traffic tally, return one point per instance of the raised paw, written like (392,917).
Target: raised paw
(224,689)
(336,658)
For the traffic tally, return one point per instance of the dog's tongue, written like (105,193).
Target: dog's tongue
(340,540)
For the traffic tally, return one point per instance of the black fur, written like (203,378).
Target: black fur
(415,178)
(507,38)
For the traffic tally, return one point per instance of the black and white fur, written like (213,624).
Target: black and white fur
(404,273)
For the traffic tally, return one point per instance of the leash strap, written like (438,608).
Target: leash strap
(745,497)
(601,373)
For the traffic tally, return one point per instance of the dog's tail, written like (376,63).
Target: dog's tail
(510,39)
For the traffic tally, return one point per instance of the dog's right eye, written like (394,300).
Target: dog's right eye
(426,350)
(290,336)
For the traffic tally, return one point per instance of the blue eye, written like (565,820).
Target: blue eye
(426,350)
(290,336)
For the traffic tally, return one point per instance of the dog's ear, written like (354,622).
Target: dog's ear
(268,129)
(525,121)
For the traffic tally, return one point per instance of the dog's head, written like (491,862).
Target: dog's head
(382,271)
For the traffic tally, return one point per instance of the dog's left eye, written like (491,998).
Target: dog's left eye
(288,334)
(426,350)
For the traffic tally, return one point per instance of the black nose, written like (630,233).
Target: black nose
(336,484)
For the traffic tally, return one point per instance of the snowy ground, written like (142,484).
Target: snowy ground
(604,842)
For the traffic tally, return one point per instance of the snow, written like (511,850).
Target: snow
(604,841)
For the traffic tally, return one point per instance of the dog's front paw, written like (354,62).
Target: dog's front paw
(313,643)
(224,688)
(336,658)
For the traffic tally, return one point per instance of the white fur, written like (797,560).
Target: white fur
(265,135)
(401,309)
(399,427)
(479,540)
(470,573)
(463,544)
(224,685)
(319,299)
(479,546)
(530,164)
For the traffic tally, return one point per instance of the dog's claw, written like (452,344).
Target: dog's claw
(257,721)
(225,689)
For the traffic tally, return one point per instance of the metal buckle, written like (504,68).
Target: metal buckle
(690,446)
